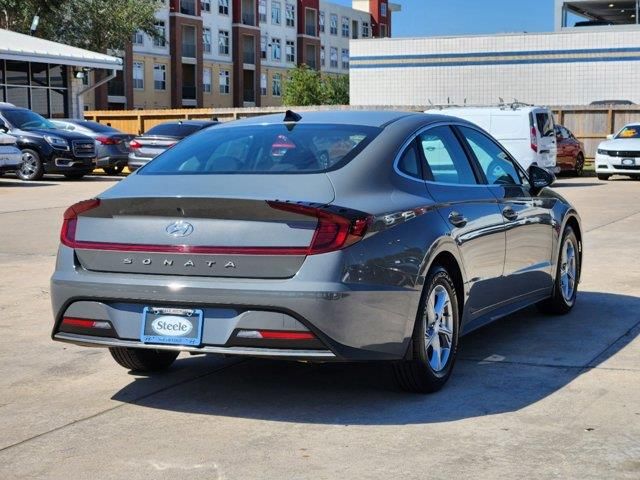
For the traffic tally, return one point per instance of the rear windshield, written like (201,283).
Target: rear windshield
(258,149)
(173,129)
(96,127)
(629,132)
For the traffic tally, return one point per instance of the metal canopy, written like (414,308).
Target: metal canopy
(614,12)
(16,46)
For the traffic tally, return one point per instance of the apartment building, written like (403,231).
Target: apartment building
(234,53)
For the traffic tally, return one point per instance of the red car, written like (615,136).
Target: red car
(570,152)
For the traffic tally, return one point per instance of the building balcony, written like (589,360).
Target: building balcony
(188,7)
(188,92)
(115,88)
(189,50)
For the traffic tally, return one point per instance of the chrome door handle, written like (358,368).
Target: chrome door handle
(509,213)
(457,220)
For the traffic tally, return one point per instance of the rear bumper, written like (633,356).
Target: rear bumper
(352,323)
(112,161)
(289,354)
(10,159)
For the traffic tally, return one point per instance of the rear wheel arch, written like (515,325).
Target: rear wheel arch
(449,262)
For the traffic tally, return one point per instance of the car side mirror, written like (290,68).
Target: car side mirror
(539,178)
(610,136)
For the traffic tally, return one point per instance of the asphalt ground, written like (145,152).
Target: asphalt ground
(532,396)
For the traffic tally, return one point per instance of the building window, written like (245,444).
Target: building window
(333,57)
(290,51)
(383,30)
(262,11)
(276,49)
(276,85)
(159,76)
(205,5)
(206,80)
(322,56)
(263,84)
(263,47)
(223,42)
(290,15)
(345,27)
(383,9)
(321,20)
(224,82)
(161,39)
(345,58)
(333,24)
(223,7)
(206,39)
(138,38)
(275,13)
(365,29)
(138,75)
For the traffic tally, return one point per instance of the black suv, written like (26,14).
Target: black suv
(45,148)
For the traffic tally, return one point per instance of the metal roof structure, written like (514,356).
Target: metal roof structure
(17,46)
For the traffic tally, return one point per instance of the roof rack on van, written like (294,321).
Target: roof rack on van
(515,105)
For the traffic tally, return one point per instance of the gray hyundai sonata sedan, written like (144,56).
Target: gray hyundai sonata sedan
(326,236)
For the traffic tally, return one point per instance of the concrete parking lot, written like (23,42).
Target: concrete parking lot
(531,396)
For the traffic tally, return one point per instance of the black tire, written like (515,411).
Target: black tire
(143,360)
(579,170)
(417,374)
(74,176)
(603,176)
(31,167)
(557,304)
(113,170)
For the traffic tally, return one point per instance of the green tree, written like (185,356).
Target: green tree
(98,25)
(336,90)
(17,15)
(305,86)
(102,25)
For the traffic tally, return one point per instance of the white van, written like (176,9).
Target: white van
(527,132)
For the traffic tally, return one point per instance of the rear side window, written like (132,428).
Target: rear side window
(261,149)
(409,162)
(173,130)
(494,161)
(446,160)
(544,122)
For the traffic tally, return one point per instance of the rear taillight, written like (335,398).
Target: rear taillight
(70,220)
(108,140)
(333,231)
(534,139)
(134,144)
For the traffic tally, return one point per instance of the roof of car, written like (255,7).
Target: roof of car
(190,122)
(372,118)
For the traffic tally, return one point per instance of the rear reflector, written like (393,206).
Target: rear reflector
(333,232)
(275,335)
(84,323)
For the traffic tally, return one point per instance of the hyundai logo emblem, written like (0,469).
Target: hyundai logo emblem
(179,229)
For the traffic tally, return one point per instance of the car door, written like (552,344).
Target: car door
(529,235)
(471,211)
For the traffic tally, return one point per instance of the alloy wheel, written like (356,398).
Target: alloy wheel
(568,270)
(439,328)
(29,165)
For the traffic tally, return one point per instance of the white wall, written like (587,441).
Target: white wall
(565,83)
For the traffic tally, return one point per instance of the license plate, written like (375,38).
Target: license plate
(628,161)
(171,326)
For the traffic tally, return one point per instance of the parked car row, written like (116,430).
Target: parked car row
(32,146)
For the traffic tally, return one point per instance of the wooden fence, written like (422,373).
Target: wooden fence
(590,124)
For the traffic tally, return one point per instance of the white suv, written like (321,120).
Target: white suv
(620,153)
